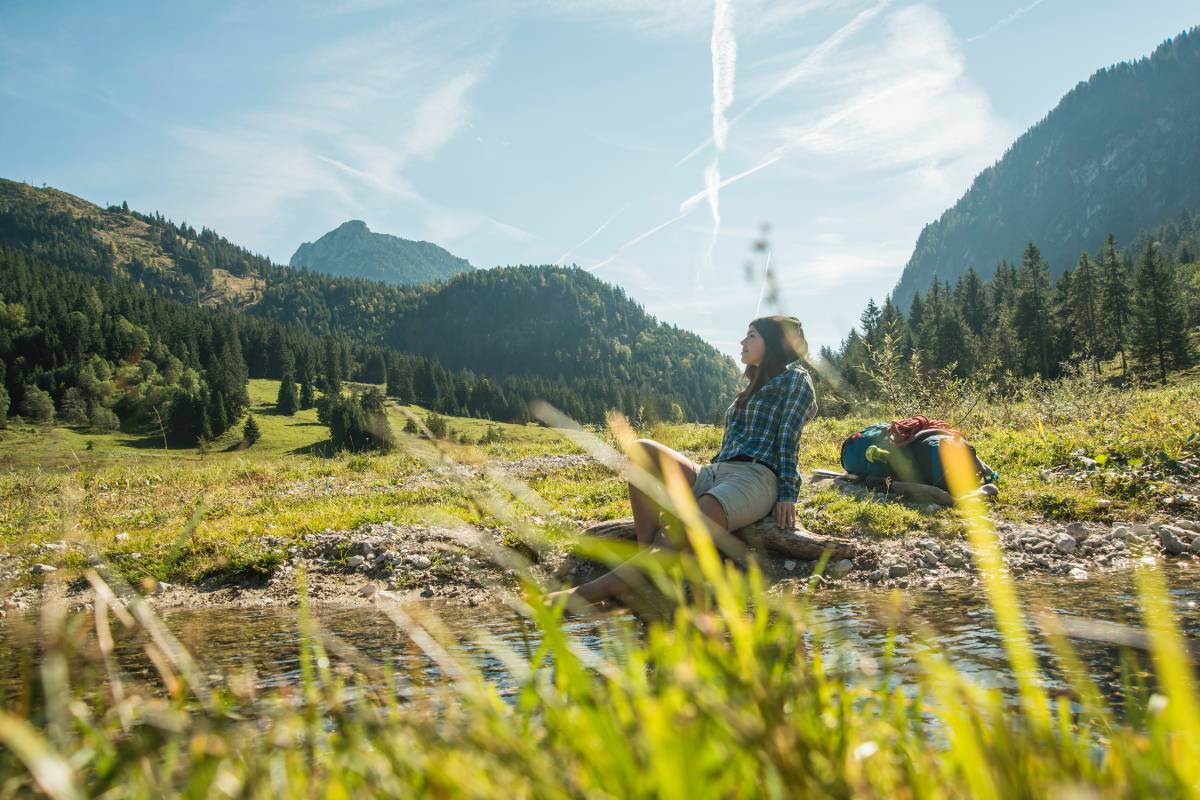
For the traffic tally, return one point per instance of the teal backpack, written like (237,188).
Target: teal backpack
(854,451)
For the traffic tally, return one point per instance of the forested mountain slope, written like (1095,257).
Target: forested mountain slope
(1119,154)
(559,333)
(353,250)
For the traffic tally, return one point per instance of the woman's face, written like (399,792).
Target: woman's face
(753,348)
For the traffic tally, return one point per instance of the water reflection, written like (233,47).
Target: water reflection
(266,641)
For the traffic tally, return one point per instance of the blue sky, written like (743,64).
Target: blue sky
(645,140)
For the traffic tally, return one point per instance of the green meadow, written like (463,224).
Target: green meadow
(1142,444)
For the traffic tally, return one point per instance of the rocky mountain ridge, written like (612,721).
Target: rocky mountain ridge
(1119,154)
(353,250)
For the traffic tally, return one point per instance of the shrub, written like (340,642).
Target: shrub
(37,405)
(355,428)
(74,407)
(437,425)
(251,433)
(103,419)
(492,435)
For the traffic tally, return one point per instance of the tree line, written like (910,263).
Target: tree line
(104,354)
(1136,308)
(482,344)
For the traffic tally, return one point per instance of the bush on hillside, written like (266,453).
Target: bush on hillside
(103,419)
(437,425)
(251,432)
(358,426)
(37,405)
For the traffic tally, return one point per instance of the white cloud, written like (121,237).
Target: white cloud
(902,103)
(440,115)
(355,113)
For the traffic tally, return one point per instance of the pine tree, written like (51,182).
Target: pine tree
(250,432)
(1115,303)
(1032,316)
(1084,310)
(1159,333)
(287,402)
(1066,340)
(870,322)
(218,417)
(916,314)
(307,398)
(972,299)
(331,364)
(4,395)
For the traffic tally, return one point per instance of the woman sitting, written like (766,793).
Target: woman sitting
(755,472)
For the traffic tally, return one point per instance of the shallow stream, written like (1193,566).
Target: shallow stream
(227,641)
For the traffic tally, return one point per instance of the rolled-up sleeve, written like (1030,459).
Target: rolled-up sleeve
(798,407)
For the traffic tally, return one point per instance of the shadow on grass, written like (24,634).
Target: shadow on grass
(323,449)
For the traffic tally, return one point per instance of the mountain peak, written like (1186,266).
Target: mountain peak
(353,226)
(353,250)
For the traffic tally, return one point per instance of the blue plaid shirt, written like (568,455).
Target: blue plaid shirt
(768,428)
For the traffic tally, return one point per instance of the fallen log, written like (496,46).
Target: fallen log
(799,544)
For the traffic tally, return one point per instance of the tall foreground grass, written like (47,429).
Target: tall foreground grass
(735,693)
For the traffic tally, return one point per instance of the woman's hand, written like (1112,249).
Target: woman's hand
(785,515)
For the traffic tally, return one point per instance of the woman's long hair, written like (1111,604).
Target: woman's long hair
(785,343)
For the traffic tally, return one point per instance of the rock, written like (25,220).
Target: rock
(954,560)
(42,569)
(368,591)
(1104,503)
(877,575)
(427,592)
(1196,545)
(161,587)
(1142,531)
(1188,525)
(419,562)
(355,561)
(121,537)
(1120,533)
(840,569)
(1170,538)
(1079,531)
(897,571)
(1078,574)
(1065,543)
(789,565)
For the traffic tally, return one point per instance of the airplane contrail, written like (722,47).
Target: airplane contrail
(640,237)
(724,65)
(593,235)
(694,200)
(1010,19)
(806,66)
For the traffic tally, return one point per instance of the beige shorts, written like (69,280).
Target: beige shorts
(745,489)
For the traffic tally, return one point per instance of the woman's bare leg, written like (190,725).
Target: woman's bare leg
(645,510)
(629,576)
